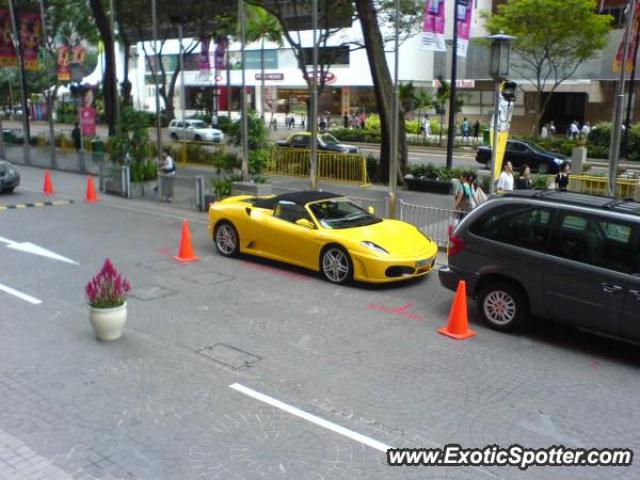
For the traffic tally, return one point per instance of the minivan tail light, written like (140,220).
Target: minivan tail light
(456,245)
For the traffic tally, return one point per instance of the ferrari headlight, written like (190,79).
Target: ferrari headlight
(374,247)
(424,235)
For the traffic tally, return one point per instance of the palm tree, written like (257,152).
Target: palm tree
(263,26)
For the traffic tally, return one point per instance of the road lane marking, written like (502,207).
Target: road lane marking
(321,422)
(34,249)
(23,296)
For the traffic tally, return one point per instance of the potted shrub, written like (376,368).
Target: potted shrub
(107,299)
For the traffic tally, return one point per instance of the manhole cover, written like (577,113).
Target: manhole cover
(159,265)
(151,292)
(230,356)
(208,278)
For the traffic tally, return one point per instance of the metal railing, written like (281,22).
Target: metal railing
(200,153)
(180,191)
(332,166)
(625,188)
(433,222)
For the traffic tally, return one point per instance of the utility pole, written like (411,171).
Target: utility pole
(313,121)
(395,121)
(614,148)
(632,82)
(156,59)
(50,96)
(243,94)
(451,134)
(26,146)
(115,69)
(183,104)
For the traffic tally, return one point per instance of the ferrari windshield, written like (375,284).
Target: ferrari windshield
(341,213)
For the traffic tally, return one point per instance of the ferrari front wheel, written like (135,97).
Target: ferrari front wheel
(336,265)
(226,239)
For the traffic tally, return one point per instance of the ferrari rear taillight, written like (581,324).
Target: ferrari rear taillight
(456,245)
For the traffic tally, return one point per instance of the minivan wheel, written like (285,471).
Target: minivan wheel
(502,306)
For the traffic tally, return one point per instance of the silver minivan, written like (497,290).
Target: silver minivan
(565,256)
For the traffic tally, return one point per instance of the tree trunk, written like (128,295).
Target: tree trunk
(383,86)
(110,88)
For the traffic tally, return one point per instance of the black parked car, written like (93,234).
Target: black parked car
(520,153)
(565,256)
(9,177)
(326,142)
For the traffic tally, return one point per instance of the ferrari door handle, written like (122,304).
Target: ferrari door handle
(609,288)
(635,294)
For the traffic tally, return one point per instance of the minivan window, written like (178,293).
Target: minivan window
(522,226)
(601,242)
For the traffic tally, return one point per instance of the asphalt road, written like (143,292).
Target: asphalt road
(249,369)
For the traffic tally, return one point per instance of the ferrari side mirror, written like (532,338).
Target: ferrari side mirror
(303,222)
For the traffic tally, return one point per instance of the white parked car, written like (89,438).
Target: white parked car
(195,130)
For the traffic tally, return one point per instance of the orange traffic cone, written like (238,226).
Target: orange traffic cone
(186,253)
(48,186)
(457,326)
(91,191)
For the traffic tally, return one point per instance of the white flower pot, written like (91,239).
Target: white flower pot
(108,323)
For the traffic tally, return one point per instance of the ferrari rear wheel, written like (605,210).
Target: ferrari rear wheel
(226,239)
(336,265)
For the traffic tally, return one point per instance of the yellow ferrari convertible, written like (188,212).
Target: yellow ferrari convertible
(324,232)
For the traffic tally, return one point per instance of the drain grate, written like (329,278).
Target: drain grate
(151,292)
(208,278)
(230,356)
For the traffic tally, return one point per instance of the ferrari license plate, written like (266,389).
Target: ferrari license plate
(422,263)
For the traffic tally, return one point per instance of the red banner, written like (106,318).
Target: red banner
(64,60)
(7,51)
(631,48)
(88,113)
(30,30)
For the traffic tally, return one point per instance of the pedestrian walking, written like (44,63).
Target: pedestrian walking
(76,136)
(544,132)
(505,181)
(562,178)
(552,129)
(574,131)
(345,120)
(465,129)
(586,129)
(523,182)
(167,178)
(302,123)
(476,130)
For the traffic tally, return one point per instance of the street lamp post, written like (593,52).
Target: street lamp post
(243,95)
(451,130)
(499,71)
(313,117)
(614,145)
(395,120)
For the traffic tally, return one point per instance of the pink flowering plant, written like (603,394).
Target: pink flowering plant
(108,289)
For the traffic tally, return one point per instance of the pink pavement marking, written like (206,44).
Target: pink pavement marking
(402,311)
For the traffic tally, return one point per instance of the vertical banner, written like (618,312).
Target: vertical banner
(88,112)
(271,98)
(433,26)
(220,51)
(64,60)
(631,49)
(7,50)
(30,30)
(204,54)
(464,15)
(505,111)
